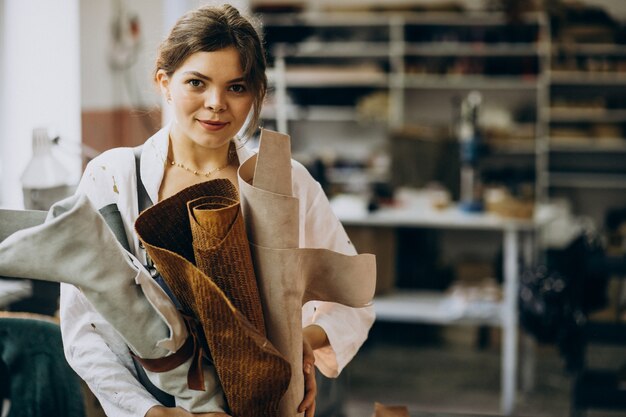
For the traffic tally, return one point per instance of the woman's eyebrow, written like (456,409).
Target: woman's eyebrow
(204,77)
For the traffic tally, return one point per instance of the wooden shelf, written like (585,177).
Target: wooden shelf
(480,19)
(325,19)
(311,49)
(590,49)
(467,82)
(314,113)
(316,78)
(586,180)
(588,78)
(584,145)
(471,49)
(584,115)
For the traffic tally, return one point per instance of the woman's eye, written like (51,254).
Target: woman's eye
(238,88)
(195,83)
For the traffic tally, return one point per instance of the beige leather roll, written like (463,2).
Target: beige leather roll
(289,276)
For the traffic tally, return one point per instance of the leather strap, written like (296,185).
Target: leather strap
(191,348)
(144,201)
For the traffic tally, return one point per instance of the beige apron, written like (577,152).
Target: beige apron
(289,276)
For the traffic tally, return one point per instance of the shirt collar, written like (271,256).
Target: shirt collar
(154,159)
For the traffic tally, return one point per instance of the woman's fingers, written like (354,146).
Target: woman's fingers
(310,392)
(310,385)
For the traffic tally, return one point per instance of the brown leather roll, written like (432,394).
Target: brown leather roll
(222,252)
(219,290)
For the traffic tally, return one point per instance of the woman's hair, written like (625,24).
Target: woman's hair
(209,29)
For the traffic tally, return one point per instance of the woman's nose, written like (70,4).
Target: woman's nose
(214,101)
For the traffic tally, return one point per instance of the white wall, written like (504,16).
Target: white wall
(39,83)
(104,88)
(2,102)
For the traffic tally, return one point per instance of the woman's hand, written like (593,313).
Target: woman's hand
(313,337)
(310,385)
(161,411)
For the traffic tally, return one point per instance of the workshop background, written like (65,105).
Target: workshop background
(477,147)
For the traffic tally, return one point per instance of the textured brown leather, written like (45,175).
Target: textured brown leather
(221,249)
(253,374)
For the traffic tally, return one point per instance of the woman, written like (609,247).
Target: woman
(211,70)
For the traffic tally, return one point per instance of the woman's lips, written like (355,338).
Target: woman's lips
(212,125)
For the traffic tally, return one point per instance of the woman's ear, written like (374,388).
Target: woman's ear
(163,80)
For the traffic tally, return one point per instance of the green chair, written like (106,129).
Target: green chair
(36,379)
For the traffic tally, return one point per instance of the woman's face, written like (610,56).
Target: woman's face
(209,97)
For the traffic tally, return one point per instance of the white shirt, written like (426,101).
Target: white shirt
(100,356)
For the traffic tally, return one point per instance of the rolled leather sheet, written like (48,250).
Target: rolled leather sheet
(198,243)
(289,276)
(221,248)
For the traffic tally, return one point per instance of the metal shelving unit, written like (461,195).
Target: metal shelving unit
(382,57)
(587,119)
(396,54)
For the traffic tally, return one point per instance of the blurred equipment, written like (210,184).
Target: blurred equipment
(594,386)
(557,300)
(125,37)
(470,142)
(557,297)
(45,180)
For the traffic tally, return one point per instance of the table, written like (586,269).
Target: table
(12,290)
(518,239)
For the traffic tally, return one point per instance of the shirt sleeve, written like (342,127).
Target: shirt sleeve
(100,357)
(346,327)
(92,347)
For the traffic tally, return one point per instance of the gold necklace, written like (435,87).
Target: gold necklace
(195,171)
